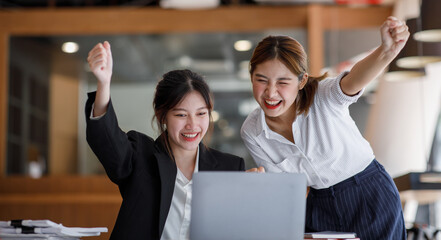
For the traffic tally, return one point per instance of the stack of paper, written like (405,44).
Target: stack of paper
(330,235)
(44,229)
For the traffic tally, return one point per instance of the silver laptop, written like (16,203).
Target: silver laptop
(239,205)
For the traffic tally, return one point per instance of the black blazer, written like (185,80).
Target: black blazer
(144,173)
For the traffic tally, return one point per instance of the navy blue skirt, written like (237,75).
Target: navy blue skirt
(367,204)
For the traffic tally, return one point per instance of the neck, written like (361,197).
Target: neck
(186,161)
(284,120)
(185,157)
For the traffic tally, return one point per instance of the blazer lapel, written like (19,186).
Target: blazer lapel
(207,161)
(167,173)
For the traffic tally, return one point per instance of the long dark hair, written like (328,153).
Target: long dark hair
(293,56)
(170,91)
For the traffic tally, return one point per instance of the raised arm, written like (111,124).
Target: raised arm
(113,147)
(394,35)
(101,63)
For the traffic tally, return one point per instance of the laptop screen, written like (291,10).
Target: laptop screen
(239,205)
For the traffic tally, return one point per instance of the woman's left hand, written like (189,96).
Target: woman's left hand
(394,35)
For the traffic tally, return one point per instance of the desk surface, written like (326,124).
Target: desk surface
(424,187)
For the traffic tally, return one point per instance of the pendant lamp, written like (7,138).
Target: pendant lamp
(430,22)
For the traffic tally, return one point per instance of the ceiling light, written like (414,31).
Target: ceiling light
(428,36)
(416,61)
(243,45)
(430,25)
(70,47)
(185,61)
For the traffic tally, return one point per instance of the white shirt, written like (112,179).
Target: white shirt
(328,147)
(177,225)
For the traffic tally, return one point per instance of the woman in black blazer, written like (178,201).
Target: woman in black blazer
(154,176)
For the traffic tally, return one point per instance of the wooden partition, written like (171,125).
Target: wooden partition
(71,200)
(4,54)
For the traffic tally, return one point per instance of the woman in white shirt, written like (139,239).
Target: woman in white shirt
(303,126)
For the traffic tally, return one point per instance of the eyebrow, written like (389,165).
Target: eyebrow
(260,75)
(278,79)
(185,110)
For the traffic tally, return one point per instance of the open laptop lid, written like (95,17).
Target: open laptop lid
(239,205)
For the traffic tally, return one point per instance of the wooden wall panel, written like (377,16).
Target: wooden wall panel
(63,128)
(343,18)
(151,20)
(58,184)
(315,39)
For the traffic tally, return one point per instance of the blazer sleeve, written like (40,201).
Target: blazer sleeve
(113,147)
(241,164)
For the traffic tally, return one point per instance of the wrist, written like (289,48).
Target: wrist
(103,84)
(385,53)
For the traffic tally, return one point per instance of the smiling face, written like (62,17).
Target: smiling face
(187,123)
(275,88)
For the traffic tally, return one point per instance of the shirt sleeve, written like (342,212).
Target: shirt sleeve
(97,117)
(330,91)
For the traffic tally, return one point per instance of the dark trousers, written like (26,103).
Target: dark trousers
(367,204)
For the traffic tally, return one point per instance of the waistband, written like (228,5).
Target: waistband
(373,168)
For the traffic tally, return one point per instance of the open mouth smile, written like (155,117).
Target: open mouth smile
(190,136)
(270,104)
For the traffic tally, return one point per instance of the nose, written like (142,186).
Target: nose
(190,123)
(271,90)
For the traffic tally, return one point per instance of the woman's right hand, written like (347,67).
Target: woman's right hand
(101,63)
(258,170)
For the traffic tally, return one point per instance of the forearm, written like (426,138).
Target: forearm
(365,71)
(101,63)
(394,35)
(102,98)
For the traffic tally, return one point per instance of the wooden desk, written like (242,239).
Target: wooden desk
(424,187)
(74,201)
(418,188)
